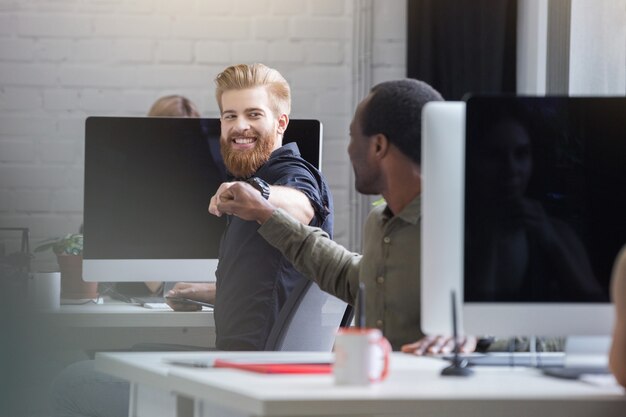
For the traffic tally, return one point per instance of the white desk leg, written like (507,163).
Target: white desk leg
(146,401)
(132,404)
(203,409)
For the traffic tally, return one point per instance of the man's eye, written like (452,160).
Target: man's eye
(255,115)
(228,117)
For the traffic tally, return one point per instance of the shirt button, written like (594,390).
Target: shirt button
(379,323)
(380,280)
(387,239)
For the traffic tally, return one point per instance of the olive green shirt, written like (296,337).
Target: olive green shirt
(389,266)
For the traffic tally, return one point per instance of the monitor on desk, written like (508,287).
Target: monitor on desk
(443,171)
(443,134)
(544,206)
(148,183)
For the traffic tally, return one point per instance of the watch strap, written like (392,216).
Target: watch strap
(260,185)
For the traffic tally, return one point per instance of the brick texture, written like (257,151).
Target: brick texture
(61,62)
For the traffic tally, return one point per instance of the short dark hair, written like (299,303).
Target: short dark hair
(395,110)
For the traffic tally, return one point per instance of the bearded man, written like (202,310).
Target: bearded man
(253,278)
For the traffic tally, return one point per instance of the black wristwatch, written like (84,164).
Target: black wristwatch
(262,186)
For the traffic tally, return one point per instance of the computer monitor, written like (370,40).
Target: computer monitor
(148,183)
(443,140)
(544,213)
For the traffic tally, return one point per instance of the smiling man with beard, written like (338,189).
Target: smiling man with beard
(253,278)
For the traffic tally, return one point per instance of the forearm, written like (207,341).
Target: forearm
(314,254)
(242,200)
(154,286)
(293,201)
(196,291)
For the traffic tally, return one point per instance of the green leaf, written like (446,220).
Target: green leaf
(70,244)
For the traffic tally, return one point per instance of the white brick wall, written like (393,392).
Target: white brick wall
(389,50)
(65,60)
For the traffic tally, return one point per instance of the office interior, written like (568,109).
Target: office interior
(61,62)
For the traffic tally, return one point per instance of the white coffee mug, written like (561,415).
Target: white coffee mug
(361,356)
(44,290)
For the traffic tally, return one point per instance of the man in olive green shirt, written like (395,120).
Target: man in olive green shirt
(385,151)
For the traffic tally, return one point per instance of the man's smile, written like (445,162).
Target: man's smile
(244,140)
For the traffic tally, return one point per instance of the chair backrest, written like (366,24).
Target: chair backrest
(309,320)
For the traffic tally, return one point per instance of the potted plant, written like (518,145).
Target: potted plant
(69,252)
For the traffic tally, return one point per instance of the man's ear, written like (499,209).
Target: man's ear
(283,121)
(381,145)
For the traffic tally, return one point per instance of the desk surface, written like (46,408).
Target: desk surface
(115,326)
(414,387)
(117,314)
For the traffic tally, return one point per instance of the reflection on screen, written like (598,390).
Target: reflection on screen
(545,197)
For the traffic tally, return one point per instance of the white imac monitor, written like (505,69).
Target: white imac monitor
(148,183)
(544,213)
(443,139)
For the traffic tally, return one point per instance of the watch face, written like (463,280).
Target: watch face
(260,185)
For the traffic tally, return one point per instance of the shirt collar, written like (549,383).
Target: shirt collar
(410,214)
(290,148)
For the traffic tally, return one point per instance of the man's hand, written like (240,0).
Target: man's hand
(242,200)
(429,345)
(216,198)
(195,291)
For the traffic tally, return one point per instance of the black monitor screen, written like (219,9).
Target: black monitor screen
(545,197)
(148,183)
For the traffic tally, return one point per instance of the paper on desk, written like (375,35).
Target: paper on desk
(599,380)
(81,301)
(157,306)
(208,359)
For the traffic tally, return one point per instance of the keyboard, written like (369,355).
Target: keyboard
(539,360)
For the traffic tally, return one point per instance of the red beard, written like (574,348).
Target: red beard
(242,163)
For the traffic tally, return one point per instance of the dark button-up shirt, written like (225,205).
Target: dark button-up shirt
(253,278)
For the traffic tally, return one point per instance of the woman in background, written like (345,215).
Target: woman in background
(173,106)
(617,355)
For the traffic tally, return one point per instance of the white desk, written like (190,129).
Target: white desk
(115,326)
(414,388)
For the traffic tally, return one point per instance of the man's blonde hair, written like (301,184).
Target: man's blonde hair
(243,76)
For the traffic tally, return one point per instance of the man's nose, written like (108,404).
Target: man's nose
(241,125)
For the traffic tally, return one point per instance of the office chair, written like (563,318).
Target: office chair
(309,320)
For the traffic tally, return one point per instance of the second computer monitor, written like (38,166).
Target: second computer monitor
(544,206)
(148,183)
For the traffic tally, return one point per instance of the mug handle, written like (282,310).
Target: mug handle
(385,346)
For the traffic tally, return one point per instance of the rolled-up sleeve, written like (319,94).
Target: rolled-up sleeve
(314,254)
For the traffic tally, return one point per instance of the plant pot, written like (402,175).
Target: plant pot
(72,284)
